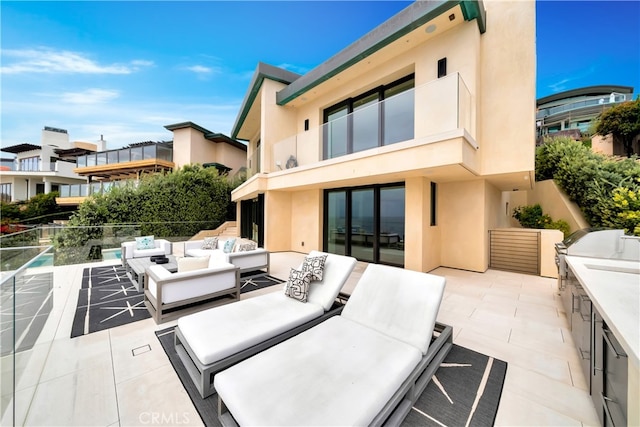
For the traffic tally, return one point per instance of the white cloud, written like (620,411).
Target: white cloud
(46,60)
(200,69)
(120,123)
(90,96)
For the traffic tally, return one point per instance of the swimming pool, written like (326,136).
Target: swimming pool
(47,259)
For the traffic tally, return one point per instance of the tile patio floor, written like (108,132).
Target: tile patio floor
(122,377)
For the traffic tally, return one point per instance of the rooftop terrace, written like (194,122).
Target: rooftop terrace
(122,377)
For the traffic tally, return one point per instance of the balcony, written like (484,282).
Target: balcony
(60,167)
(596,101)
(126,162)
(85,190)
(432,109)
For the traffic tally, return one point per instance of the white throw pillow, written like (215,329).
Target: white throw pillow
(192,263)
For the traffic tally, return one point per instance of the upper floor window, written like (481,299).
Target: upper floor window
(31,164)
(379,117)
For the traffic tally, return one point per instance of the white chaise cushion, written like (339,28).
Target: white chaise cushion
(337,269)
(337,373)
(407,312)
(222,331)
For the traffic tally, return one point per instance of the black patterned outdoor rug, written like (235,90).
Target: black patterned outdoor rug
(465,390)
(257,280)
(108,298)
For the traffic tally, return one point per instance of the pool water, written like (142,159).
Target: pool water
(47,259)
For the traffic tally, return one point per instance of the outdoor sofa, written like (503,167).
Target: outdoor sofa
(212,340)
(169,295)
(145,246)
(243,253)
(366,366)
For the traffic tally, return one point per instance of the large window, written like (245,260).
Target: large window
(379,117)
(366,223)
(30,164)
(5,192)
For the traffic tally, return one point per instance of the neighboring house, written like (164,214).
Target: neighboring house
(398,148)
(572,112)
(195,144)
(191,144)
(41,169)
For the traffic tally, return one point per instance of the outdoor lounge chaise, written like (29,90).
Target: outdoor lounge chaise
(366,366)
(212,340)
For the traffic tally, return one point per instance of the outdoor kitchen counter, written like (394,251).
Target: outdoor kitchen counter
(614,289)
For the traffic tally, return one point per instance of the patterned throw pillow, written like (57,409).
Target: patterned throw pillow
(245,245)
(228,246)
(145,242)
(298,285)
(315,266)
(210,243)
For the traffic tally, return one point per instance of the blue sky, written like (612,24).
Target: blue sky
(126,69)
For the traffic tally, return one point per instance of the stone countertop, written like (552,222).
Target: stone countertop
(614,289)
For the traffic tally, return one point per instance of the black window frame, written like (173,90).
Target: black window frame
(348,217)
(349,102)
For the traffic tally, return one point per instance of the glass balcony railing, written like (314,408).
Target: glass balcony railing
(81,244)
(430,109)
(125,155)
(29,318)
(253,164)
(589,102)
(86,190)
(26,298)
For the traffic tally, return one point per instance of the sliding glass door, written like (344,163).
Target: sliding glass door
(366,223)
(362,224)
(336,222)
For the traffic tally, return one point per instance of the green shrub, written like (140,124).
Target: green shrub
(592,180)
(173,205)
(533,217)
(530,216)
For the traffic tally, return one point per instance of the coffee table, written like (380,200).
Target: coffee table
(138,266)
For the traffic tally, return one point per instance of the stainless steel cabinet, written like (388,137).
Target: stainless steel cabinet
(603,361)
(609,375)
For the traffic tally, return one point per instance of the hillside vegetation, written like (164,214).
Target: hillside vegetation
(176,204)
(607,189)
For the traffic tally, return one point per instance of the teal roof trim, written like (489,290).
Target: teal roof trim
(474,9)
(407,20)
(263,71)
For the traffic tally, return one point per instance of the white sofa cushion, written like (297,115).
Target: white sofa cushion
(337,373)
(191,284)
(192,263)
(200,252)
(407,313)
(222,331)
